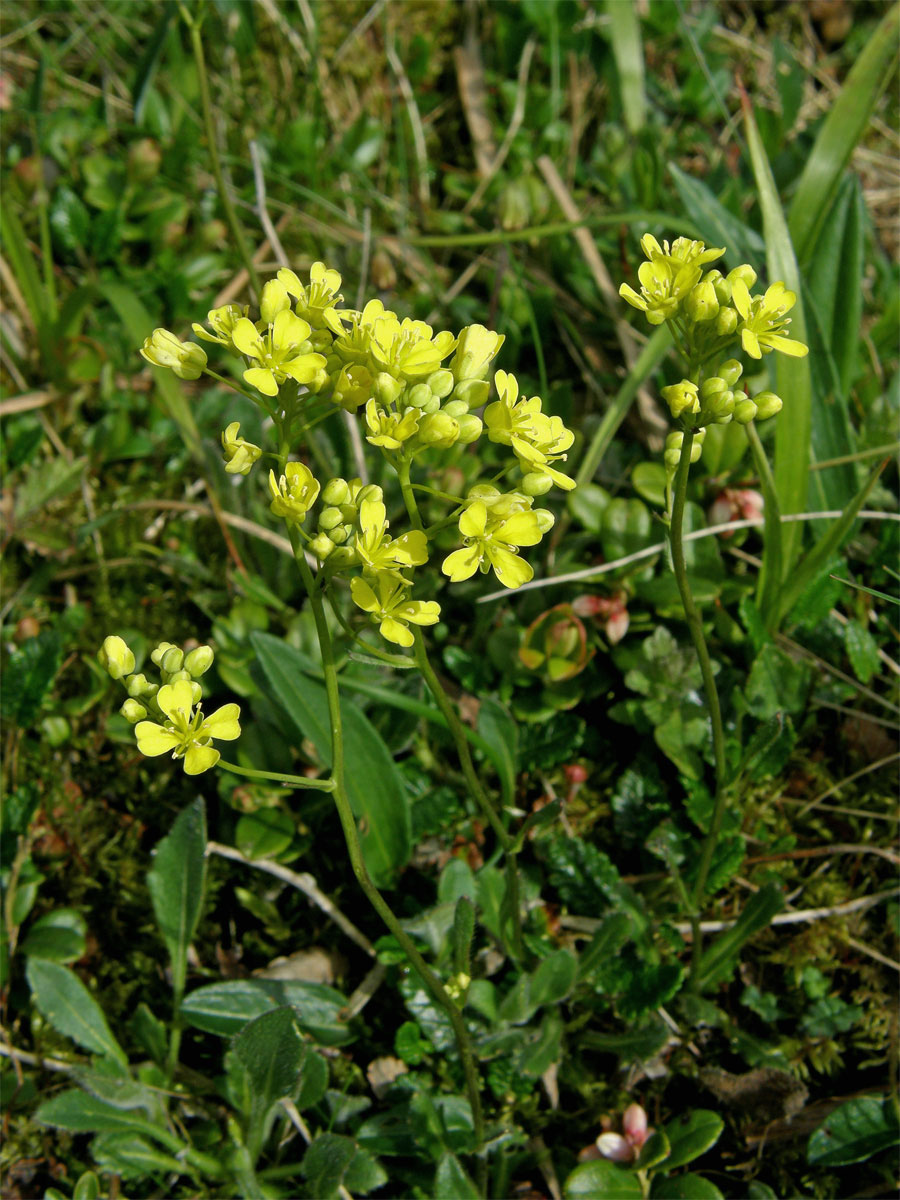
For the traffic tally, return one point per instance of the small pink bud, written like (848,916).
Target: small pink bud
(634,1125)
(575,773)
(587,605)
(614,1147)
(617,626)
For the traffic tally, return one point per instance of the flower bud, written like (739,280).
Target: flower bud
(721,286)
(419,396)
(455,408)
(274,299)
(545,519)
(335,492)
(199,660)
(330,518)
(339,534)
(702,304)
(473,392)
(160,652)
(731,371)
(634,1124)
(386,389)
(744,411)
(371,491)
(438,429)
(240,455)
(144,160)
(342,556)
(321,546)
(720,404)
(176,676)
(767,405)
(137,686)
(470,428)
(681,397)
(441,383)
(172,660)
(744,273)
(475,351)
(726,322)
(164,349)
(133,712)
(116,658)
(536,484)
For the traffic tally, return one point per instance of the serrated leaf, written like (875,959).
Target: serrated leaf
(776,684)
(613,933)
(375,786)
(855,1132)
(177,884)
(332,1159)
(270,1050)
(70,1008)
(58,936)
(692,1135)
(79,1112)
(602,1180)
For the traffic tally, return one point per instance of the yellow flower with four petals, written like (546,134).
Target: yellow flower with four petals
(186,732)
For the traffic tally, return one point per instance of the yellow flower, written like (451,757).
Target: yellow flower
(187,733)
(490,541)
(476,349)
(536,439)
(316,300)
(683,252)
(763,320)
(389,429)
(380,554)
(406,349)
(164,349)
(278,352)
(393,609)
(352,344)
(240,455)
(294,494)
(116,658)
(223,321)
(352,387)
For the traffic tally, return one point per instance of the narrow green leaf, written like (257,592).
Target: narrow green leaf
(133,1157)
(70,1008)
(859,1129)
(792,375)
(607,941)
(841,132)
(602,1180)
(635,1046)
(451,1182)
(553,978)
(374,784)
(625,35)
(270,1050)
(177,884)
(720,956)
(79,1112)
(720,227)
(692,1135)
(501,733)
(149,62)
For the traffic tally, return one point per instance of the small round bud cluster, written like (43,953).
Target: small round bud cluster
(760,408)
(118,660)
(115,657)
(338,519)
(672,453)
(713,402)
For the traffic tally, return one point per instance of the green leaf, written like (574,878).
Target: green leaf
(602,1180)
(692,1135)
(638,1045)
(540,1049)
(553,978)
(612,935)
(87,1187)
(830,1015)
(776,684)
(70,1008)
(177,884)
(862,650)
(150,1033)
(224,1008)
(855,1132)
(792,375)
(264,833)
(270,1050)
(28,677)
(364,1174)
(627,527)
(451,1182)
(501,733)
(148,63)
(625,36)
(654,1151)
(684,1187)
(374,784)
(79,1112)
(840,133)
(325,1163)
(720,956)
(133,1157)
(649,481)
(721,227)
(69,219)
(58,936)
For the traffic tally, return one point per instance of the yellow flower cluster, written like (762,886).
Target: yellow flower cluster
(417,390)
(175,704)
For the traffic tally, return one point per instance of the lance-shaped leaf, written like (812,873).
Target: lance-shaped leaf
(177,882)
(70,1008)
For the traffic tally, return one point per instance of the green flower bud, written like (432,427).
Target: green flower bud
(339,534)
(711,387)
(726,322)
(767,405)
(455,408)
(745,273)
(342,556)
(172,660)
(137,686)
(475,351)
(438,429)
(731,371)
(671,457)
(441,382)
(536,484)
(133,712)
(473,392)
(175,676)
(336,491)
(721,286)
(545,519)
(744,411)
(321,546)
(199,661)
(370,492)
(419,395)
(432,404)
(330,518)
(470,428)
(116,658)
(386,389)
(161,650)
(701,303)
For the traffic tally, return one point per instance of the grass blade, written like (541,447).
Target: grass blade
(625,34)
(792,375)
(840,133)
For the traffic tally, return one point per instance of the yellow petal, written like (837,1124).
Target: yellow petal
(153,739)
(511,570)
(363,596)
(395,632)
(462,564)
(473,521)
(262,379)
(223,723)
(175,698)
(199,759)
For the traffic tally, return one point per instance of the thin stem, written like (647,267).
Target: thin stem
(432,983)
(695,625)
(458,733)
(769,582)
(297,781)
(225,196)
(409,497)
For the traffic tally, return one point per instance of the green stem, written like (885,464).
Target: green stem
(458,733)
(695,625)
(432,983)
(297,781)
(409,497)
(769,583)
(225,196)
